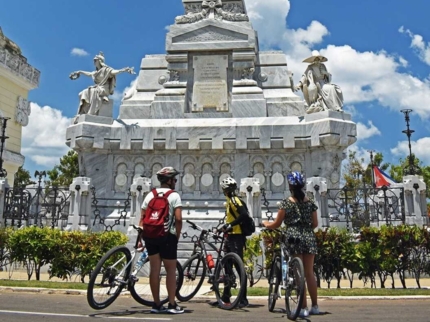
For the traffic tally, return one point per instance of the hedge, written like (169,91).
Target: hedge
(65,252)
(373,253)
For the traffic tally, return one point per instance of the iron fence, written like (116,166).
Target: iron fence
(363,206)
(37,206)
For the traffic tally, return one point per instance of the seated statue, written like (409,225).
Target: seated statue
(319,93)
(104,77)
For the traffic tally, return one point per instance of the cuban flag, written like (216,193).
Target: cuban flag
(381,178)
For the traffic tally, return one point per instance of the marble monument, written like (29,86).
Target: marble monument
(212,106)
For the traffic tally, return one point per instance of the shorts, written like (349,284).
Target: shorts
(167,249)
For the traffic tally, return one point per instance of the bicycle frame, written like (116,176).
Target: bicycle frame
(202,242)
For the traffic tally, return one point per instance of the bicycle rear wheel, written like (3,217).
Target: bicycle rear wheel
(194,274)
(229,281)
(274,282)
(140,289)
(295,290)
(109,278)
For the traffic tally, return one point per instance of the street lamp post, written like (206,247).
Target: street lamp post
(3,137)
(412,169)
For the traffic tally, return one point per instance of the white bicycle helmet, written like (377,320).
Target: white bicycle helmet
(166,173)
(229,184)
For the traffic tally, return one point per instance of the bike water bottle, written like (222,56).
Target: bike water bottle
(141,260)
(210,261)
(284,269)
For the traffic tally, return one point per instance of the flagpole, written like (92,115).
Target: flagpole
(371,162)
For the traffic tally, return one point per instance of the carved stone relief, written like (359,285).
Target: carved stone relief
(214,9)
(22,111)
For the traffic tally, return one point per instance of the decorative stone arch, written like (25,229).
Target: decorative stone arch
(189,179)
(225,170)
(259,170)
(205,175)
(139,167)
(157,163)
(120,177)
(296,163)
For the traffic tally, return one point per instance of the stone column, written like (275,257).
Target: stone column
(250,188)
(317,186)
(215,185)
(4,186)
(197,175)
(80,205)
(415,200)
(139,189)
(268,176)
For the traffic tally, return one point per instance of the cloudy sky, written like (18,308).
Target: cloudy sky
(378,51)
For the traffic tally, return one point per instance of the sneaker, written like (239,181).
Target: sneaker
(314,310)
(175,309)
(158,308)
(304,313)
(243,303)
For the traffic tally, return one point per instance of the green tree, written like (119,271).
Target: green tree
(397,171)
(63,174)
(22,178)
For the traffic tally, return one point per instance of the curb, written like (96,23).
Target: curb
(202,298)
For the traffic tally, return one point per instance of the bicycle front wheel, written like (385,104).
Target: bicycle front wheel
(229,281)
(194,275)
(295,289)
(274,282)
(140,289)
(109,278)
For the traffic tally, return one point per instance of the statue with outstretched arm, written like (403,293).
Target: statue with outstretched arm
(92,98)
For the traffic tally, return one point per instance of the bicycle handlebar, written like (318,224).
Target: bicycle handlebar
(197,227)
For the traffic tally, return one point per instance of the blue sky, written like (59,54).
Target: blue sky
(378,51)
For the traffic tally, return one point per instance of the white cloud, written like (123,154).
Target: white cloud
(418,44)
(43,140)
(420,148)
(363,76)
(79,52)
(364,132)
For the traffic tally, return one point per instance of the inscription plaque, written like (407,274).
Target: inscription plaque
(210,83)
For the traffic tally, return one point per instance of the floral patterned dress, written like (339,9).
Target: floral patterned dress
(298,219)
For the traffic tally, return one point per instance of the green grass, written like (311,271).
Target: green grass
(252,291)
(261,291)
(43,284)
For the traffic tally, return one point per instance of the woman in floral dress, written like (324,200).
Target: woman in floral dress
(300,217)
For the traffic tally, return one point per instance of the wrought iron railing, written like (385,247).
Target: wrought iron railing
(38,206)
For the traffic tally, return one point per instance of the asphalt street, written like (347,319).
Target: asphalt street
(21,306)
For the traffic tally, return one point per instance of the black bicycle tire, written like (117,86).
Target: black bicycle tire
(90,296)
(275,272)
(295,263)
(138,298)
(199,257)
(242,273)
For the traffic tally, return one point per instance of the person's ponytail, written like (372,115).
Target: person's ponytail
(297,192)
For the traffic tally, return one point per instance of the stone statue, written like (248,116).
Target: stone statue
(104,77)
(214,9)
(319,93)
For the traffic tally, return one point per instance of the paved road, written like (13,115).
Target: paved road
(20,307)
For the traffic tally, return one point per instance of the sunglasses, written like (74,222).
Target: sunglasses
(175,180)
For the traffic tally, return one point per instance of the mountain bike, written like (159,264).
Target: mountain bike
(226,275)
(118,271)
(289,281)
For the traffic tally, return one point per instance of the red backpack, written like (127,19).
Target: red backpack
(155,223)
